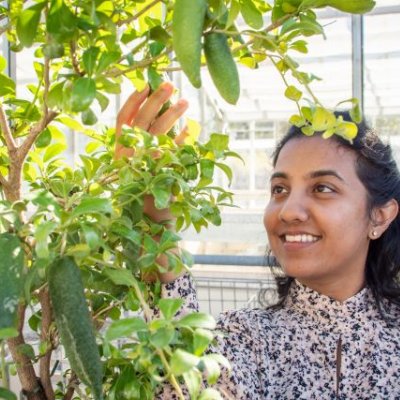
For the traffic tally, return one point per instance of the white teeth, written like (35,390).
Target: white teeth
(300,238)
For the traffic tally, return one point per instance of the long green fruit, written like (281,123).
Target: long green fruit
(74,323)
(11,283)
(187,30)
(222,66)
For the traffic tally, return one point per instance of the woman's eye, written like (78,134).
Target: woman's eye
(323,189)
(278,189)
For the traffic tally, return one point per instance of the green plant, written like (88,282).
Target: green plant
(85,226)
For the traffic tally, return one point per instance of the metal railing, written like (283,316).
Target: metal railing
(222,293)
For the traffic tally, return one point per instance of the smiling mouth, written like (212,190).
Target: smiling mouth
(301,238)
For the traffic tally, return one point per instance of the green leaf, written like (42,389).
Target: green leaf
(42,233)
(3,63)
(61,22)
(252,16)
(53,151)
(212,368)
(297,120)
(71,123)
(323,119)
(88,117)
(300,46)
(83,93)
(201,340)
(162,196)
(106,59)
(127,233)
(7,394)
(44,139)
(197,320)
(7,85)
(92,205)
(11,283)
(102,100)
(218,142)
(55,98)
(120,276)
(210,394)
(163,337)
(27,24)
(347,130)
(89,58)
(125,328)
(207,169)
(227,171)
(169,307)
(234,10)
(92,236)
(293,93)
(182,361)
(192,380)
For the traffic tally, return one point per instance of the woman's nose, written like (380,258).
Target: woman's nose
(294,209)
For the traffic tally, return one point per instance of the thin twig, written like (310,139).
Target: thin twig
(44,365)
(138,14)
(140,64)
(46,79)
(269,28)
(74,61)
(8,137)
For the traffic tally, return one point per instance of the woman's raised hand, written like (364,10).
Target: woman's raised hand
(141,110)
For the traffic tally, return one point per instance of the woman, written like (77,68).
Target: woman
(333,224)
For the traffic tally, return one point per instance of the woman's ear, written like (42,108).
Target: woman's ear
(382,217)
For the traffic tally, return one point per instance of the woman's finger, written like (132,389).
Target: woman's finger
(131,107)
(180,139)
(168,119)
(149,110)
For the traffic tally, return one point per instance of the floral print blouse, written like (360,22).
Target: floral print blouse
(313,347)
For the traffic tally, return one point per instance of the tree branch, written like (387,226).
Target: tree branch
(74,61)
(138,14)
(140,64)
(8,137)
(73,381)
(34,132)
(44,365)
(29,381)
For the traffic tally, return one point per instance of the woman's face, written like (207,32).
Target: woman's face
(317,219)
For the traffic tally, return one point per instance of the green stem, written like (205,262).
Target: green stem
(285,82)
(160,352)
(4,374)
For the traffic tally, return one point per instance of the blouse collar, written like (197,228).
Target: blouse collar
(325,309)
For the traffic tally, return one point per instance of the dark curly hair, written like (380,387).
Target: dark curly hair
(379,173)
